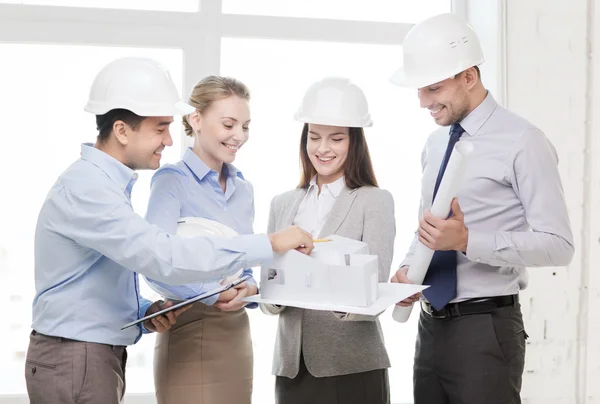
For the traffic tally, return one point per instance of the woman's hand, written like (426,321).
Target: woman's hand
(243,290)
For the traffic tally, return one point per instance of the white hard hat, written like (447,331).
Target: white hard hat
(192,227)
(334,101)
(437,49)
(140,85)
(188,227)
(199,226)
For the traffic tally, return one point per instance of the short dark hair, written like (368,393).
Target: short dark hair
(105,123)
(358,170)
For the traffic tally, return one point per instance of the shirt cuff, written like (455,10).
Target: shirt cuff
(144,305)
(480,246)
(209,301)
(253,305)
(258,249)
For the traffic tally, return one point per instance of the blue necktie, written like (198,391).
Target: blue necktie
(441,275)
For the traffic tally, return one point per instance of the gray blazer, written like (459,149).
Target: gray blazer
(335,343)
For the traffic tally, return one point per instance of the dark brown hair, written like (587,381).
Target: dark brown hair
(358,169)
(105,123)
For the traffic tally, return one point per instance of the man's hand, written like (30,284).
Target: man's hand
(291,238)
(165,321)
(227,295)
(242,290)
(400,277)
(444,234)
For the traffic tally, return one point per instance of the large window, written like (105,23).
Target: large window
(406,11)
(51,54)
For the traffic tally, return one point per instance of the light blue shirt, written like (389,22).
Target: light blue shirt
(89,242)
(191,189)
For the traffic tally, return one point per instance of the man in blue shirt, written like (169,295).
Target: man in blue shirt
(90,245)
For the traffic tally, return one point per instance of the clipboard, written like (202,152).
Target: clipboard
(190,301)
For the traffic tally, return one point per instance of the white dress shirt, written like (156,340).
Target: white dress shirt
(315,207)
(512,200)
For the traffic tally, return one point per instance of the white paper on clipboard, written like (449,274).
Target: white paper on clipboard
(210,293)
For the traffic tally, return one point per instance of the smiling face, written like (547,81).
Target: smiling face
(222,129)
(142,148)
(327,148)
(447,101)
(451,100)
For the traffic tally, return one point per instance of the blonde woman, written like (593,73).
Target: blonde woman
(206,358)
(324,357)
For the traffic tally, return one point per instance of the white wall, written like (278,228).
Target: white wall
(552,81)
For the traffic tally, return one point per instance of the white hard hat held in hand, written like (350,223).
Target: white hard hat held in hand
(437,49)
(335,101)
(140,85)
(188,227)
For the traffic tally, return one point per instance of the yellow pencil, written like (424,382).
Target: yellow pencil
(321,240)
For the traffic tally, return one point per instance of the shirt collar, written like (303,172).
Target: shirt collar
(475,120)
(335,188)
(124,176)
(201,170)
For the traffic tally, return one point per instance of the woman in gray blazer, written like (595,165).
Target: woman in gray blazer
(326,357)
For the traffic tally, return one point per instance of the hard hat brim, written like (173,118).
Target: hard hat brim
(199,226)
(179,108)
(184,108)
(399,78)
(332,121)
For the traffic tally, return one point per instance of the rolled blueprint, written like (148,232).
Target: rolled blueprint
(440,208)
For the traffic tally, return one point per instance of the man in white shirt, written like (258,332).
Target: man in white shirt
(509,214)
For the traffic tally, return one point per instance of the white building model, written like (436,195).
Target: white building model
(339,271)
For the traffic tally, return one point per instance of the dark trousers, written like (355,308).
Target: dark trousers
(470,359)
(63,371)
(358,388)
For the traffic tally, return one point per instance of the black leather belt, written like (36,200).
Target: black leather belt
(472,306)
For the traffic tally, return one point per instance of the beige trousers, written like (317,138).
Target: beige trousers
(206,358)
